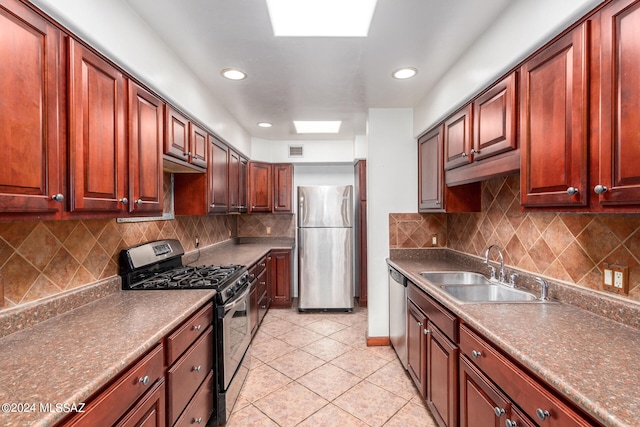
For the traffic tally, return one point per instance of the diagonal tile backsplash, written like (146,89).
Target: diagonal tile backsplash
(563,246)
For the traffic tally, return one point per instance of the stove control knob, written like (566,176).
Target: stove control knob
(229,293)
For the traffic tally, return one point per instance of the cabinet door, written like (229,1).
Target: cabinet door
(197,145)
(260,187)
(32,116)
(234,181)
(280,278)
(253,307)
(442,377)
(481,405)
(242,184)
(416,347)
(177,135)
(282,187)
(149,411)
(458,138)
(146,136)
(494,120)
(218,176)
(430,183)
(553,123)
(97,144)
(620,118)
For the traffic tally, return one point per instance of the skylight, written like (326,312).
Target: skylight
(321,18)
(317,126)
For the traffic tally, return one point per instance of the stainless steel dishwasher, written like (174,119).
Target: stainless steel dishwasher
(398,314)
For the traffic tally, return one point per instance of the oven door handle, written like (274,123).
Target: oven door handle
(237,300)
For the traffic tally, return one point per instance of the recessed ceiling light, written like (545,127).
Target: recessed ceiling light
(233,74)
(404,73)
(321,18)
(264,124)
(317,126)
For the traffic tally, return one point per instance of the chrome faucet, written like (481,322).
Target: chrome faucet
(493,270)
(544,288)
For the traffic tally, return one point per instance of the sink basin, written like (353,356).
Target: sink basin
(487,293)
(455,278)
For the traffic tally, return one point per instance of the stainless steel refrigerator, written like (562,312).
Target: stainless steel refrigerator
(325,248)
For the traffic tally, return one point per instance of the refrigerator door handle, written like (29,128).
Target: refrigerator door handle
(301,244)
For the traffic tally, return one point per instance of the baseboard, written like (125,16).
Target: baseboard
(378,341)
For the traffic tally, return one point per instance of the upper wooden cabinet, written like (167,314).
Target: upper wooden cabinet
(218,173)
(282,187)
(146,136)
(458,138)
(619,178)
(260,187)
(97,139)
(553,123)
(32,115)
(238,170)
(494,120)
(185,140)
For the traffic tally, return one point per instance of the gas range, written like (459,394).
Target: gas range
(158,265)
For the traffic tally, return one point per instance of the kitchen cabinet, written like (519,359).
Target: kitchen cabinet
(279,266)
(618,182)
(416,347)
(282,187)
(218,176)
(238,169)
(146,135)
(433,195)
(458,138)
(360,193)
(149,411)
(32,115)
(143,383)
(516,388)
(185,140)
(260,187)
(97,139)
(259,295)
(553,123)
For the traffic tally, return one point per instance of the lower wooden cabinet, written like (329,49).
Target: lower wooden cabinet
(279,270)
(416,347)
(442,377)
(481,404)
(150,410)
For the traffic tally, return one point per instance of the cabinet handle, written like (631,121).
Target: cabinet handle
(124,200)
(476,354)
(426,331)
(262,264)
(464,155)
(57,197)
(252,276)
(437,202)
(138,202)
(213,205)
(599,189)
(144,380)
(474,151)
(263,283)
(499,411)
(542,414)
(510,423)
(197,420)
(197,327)
(420,324)
(197,368)
(263,306)
(572,190)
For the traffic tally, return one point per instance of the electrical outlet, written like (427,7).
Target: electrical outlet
(197,242)
(615,278)
(608,277)
(268,231)
(434,240)
(618,279)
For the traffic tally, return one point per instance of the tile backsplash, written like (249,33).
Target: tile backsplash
(563,246)
(40,259)
(257,225)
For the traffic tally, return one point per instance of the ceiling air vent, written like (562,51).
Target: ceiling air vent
(296,151)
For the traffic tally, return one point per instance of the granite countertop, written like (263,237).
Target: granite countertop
(589,359)
(70,356)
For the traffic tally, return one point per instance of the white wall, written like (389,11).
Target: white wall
(323,151)
(392,186)
(523,27)
(113,28)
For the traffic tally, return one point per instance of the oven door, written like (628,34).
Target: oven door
(236,333)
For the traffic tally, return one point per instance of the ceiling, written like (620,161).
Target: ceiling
(316,78)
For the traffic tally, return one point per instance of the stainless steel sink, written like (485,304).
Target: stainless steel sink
(455,278)
(488,293)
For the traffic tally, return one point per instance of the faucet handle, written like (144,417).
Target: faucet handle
(512,279)
(493,271)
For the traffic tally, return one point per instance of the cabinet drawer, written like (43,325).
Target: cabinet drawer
(184,378)
(523,389)
(258,268)
(186,334)
(201,406)
(111,404)
(149,411)
(439,316)
(261,283)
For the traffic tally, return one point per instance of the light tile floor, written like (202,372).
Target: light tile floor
(315,369)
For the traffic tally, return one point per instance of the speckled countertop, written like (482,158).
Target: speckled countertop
(591,360)
(69,357)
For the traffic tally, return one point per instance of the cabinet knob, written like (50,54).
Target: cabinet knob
(474,151)
(499,411)
(144,380)
(124,200)
(138,202)
(510,423)
(572,190)
(213,205)
(197,420)
(437,202)
(420,324)
(197,327)
(57,197)
(185,154)
(542,414)
(599,189)
(426,331)
(476,353)
(464,155)
(197,368)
